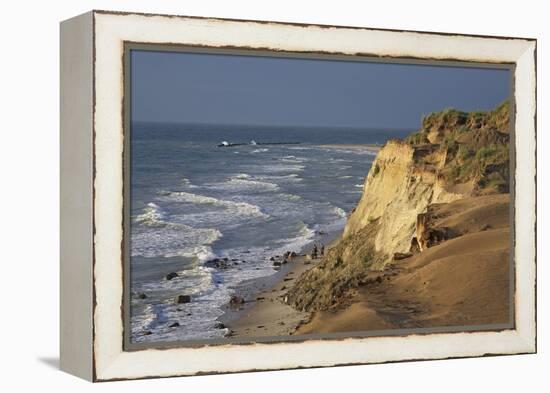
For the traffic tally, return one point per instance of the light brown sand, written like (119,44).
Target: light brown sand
(463,281)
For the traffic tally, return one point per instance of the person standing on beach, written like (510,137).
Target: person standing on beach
(322,250)
(314,252)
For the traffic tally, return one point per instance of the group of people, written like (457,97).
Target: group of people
(317,251)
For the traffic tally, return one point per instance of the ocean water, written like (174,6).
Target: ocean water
(192,201)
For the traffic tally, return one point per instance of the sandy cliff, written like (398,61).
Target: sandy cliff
(455,155)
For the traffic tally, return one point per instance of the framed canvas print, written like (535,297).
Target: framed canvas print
(246,195)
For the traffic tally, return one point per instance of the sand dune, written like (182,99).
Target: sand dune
(462,281)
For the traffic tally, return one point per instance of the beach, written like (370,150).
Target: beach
(266,313)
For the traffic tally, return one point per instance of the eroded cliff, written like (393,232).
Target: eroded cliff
(454,155)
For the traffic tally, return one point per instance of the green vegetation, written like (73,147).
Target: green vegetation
(475,145)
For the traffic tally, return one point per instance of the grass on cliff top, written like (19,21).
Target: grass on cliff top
(476,145)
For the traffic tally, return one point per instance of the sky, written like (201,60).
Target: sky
(176,87)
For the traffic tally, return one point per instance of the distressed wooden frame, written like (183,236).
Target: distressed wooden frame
(92,186)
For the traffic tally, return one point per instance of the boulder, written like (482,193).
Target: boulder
(142,296)
(277,263)
(172,275)
(401,255)
(181,299)
(236,300)
(175,324)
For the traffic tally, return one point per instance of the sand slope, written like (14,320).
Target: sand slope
(461,281)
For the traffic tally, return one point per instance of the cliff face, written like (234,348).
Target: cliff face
(403,181)
(454,155)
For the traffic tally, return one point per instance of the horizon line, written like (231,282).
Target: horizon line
(250,125)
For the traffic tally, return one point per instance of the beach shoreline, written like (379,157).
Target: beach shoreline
(265,313)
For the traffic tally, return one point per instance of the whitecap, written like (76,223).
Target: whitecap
(240,208)
(152,215)
(173,240)
(340,212)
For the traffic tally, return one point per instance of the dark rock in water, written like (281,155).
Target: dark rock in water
(234,259)
(246,252)
(235,263)
(284,261)
(321,233)
(189,314)
(277,263)
(172,275)
(179,309)
(293,254)
(147,333)
(142,296)
(180,299)
(218,263)
(272,259)
(226,259)
(235,300)
(175,324)
(219,325)
(260,298)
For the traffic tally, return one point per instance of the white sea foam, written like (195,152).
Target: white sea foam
(340,212)
(243,183)
(240,208)
(162,238)
(275,168)
(290,178)
(152,215)
(255,151)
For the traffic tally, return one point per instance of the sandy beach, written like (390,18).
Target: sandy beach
(267,314)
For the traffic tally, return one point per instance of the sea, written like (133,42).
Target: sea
(276,190)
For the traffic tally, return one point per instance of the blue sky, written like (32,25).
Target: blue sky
(177,87)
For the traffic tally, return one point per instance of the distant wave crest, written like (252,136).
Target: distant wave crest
(242,208)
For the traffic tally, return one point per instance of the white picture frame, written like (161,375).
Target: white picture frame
(92,181)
